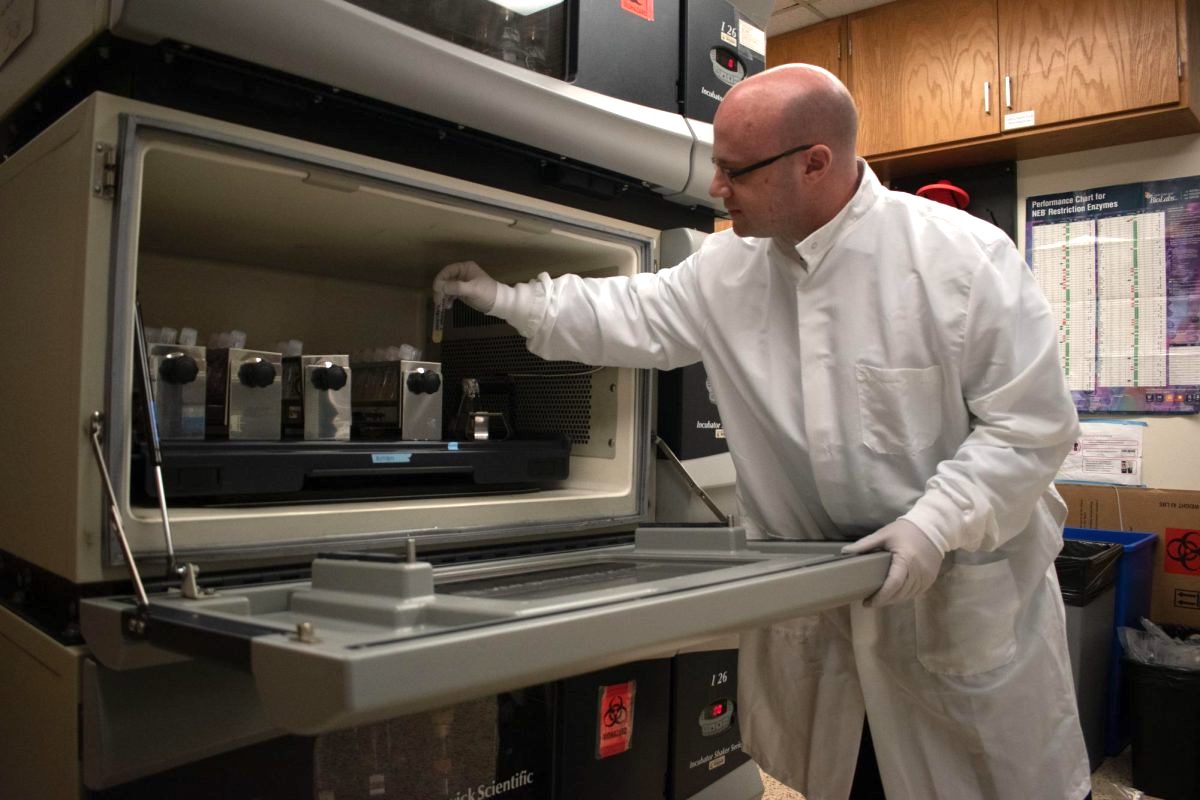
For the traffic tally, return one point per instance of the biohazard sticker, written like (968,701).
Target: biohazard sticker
(1183,551)
(643,8)
(614,728)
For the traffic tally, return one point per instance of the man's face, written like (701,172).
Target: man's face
(764,201)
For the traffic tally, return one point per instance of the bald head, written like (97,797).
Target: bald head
(799,103)
(784,151)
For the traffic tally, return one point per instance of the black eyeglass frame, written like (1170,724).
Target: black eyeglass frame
(732,175)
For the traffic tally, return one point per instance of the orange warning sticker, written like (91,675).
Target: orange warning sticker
(614,729)
(643,8)
(1183,551)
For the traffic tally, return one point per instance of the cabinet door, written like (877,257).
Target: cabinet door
(820,45)
(919,70)
(1069,59)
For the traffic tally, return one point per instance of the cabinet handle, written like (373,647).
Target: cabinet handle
(1008,92)
(987,97)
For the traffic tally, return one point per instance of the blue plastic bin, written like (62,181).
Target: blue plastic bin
(1134,572)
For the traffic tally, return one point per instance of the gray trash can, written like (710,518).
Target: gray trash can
(1087,575)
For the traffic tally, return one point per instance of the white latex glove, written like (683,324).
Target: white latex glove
(466,281)
(916,561)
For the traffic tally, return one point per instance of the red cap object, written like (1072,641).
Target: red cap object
(944,191)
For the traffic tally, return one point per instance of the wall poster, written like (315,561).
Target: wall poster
(1120,266)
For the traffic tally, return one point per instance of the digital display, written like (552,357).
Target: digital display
(716,709)
(726,59)
(717,717)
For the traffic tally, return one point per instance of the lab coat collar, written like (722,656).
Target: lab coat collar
(816,245)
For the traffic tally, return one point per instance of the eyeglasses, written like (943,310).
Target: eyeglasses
(732,175)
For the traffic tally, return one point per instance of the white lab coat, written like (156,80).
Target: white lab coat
(909,368)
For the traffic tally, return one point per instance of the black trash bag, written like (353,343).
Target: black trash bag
(1086,569)
(1164,703)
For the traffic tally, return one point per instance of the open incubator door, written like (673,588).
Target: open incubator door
(370,638)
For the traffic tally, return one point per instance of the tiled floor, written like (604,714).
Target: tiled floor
(1110,782)
(774,790)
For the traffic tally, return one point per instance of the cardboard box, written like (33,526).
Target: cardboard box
(1174,516)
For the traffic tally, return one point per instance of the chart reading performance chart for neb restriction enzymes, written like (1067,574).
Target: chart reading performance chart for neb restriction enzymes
(1120,266)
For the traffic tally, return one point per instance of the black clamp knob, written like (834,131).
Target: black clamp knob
(424,382)
(178,369)
(257,374)
(329,378)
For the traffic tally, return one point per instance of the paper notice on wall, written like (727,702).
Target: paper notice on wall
(1106,452)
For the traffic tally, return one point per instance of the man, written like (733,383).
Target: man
(887,372)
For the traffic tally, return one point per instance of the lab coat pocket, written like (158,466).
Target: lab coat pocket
(966,623)
(900,409)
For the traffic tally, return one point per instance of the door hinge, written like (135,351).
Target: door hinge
(104,172)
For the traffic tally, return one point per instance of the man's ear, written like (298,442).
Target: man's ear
(819,161)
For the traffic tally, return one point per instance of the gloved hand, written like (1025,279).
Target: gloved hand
(467,281)
(916,561)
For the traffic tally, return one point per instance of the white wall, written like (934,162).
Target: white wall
(1172,444)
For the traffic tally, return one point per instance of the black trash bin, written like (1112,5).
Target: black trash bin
(1164,704)
(1087,574)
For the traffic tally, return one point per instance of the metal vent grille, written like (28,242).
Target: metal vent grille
(538,396)
(535,395)
(462,316)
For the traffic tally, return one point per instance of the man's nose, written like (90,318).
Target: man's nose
(719,186)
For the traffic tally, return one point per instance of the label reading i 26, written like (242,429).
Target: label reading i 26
(719,677)
(728,34)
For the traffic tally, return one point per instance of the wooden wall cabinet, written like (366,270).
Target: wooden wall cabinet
(923,72)
(823,45)
(1066,60)
(945,83)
